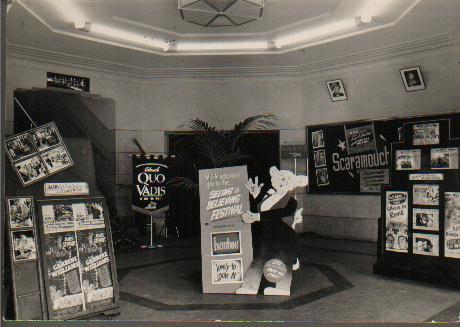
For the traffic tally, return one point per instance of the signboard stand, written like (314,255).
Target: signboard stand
(419,231)
(153,214)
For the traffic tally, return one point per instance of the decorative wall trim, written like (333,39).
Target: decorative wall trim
(381,54)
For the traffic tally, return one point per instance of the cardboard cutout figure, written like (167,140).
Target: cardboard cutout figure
(277,255)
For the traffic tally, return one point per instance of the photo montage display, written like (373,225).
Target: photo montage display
(76,259)
(37,153)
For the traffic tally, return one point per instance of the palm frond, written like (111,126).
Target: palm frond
(257,122)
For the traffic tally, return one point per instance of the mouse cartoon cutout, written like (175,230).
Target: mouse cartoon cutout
(276,256)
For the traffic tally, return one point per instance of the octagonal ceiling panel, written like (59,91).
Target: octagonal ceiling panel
(157,26)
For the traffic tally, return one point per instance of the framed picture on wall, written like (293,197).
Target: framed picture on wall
(412,78)
(336,90)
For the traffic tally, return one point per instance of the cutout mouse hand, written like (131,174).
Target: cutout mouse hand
(250,217)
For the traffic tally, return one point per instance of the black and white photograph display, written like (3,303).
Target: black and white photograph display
(320,158)
(23,245)
(322,177)
(426,134)
(20,212)
(397,220)
(444,158)
(425,244)
(425,194)
(317,139)
(452,225)
(408,159)
(336,90)
(412,78)
(38,153)
(425,219)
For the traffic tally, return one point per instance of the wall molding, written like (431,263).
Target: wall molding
(16,51)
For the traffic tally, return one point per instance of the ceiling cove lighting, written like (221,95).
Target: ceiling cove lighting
(129,36)
(322,31)
(219,13)
(221,46)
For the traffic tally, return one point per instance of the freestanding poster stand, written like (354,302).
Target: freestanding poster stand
(153,214)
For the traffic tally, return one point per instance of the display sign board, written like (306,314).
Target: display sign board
(67,82)
(354,157)
(77,257)
(66,189)
(226,241)
(37,153)
(150,175)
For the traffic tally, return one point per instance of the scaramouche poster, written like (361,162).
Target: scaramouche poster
(63,274)
(397,215)
(452,225)
(95,268)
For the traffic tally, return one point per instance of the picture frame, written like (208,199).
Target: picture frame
(412,79)
(336,90)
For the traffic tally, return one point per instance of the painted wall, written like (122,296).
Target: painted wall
(147,108)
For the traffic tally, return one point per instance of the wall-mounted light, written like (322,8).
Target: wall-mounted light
(82,26)
(363,20)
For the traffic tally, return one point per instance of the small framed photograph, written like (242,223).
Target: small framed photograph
(412,78)
(23,245)
(46,136)
(322,178)
(336,90)
(408,159)
(20,212)
(425,219)
(57,159)
(317,139)
(320,158)
(30,170)
(19,147)
(426,244)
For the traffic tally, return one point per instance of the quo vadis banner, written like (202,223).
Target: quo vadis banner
(64,274)
(226,241)
(150,176)
(95,268)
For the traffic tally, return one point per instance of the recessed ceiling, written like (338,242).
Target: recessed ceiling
(156,26)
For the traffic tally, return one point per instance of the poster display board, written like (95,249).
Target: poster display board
(77,257)
(150,175)
(226,241)
(29,302)
(37,153)
(423,205)
(355,157)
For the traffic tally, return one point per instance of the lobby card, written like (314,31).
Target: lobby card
(228,271)
(408,159)
(226,243)
(89,215)
(30,170)
(425,219)
(95,268)
(425,244)
(426,194)
(57,218)
(62,269)
(397,217)
(57,159)
(20,212)
(426,134)
(23,243)
(360,139)
(444,158)
(452,225)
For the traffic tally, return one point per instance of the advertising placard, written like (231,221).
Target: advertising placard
(397,215)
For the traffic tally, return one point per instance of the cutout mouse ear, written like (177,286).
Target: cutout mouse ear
(273,170)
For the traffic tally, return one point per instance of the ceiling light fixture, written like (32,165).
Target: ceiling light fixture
(221,46)
(82,26)
(218,13)
(129,36)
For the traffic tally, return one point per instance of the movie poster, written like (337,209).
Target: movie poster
(63,270)
(88,215)
(397,216)
(150,176)
(426,134)
(408,159)
(228,271)
(95,268)
(444,158)
(20,212)
(426,194)
(425,244)
(425,219)
(452,225)
(360,139)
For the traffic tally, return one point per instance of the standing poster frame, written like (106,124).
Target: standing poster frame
(109,308)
